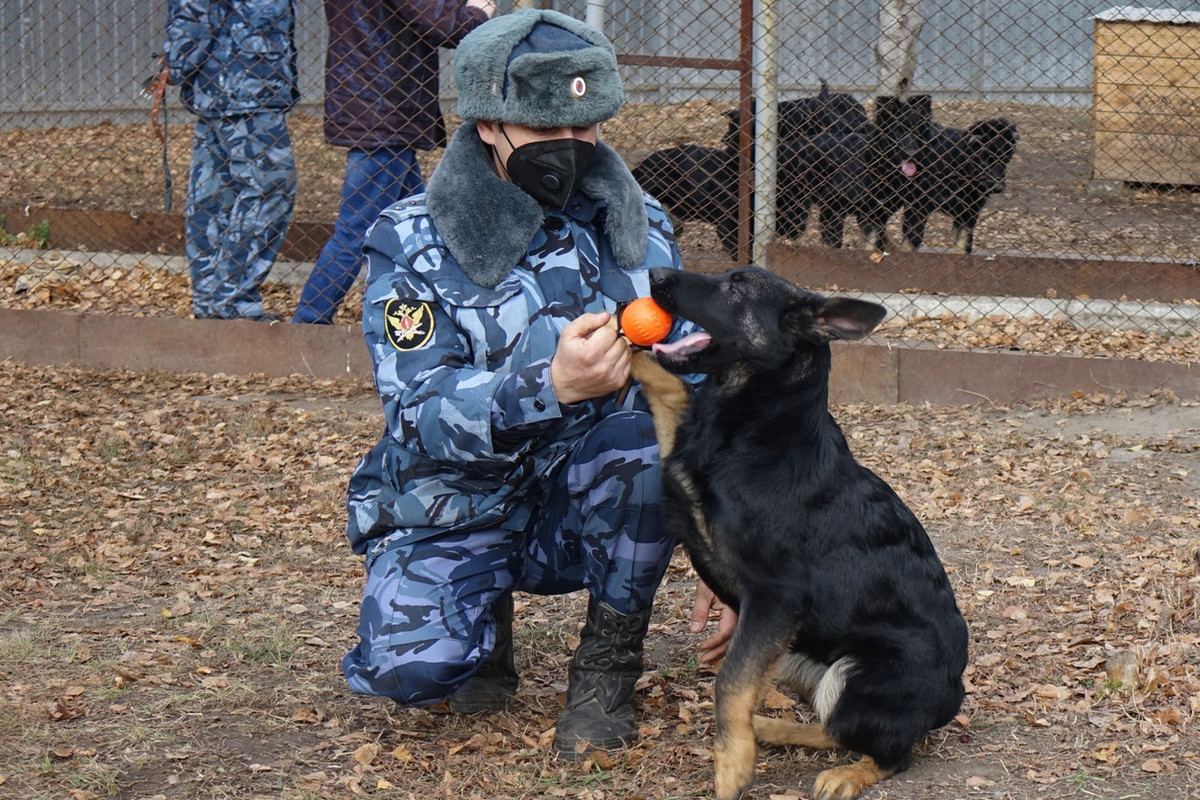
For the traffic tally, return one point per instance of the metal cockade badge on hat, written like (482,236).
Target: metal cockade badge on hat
(578,87)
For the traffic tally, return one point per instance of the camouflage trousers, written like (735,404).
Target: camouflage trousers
(425,622)
(241,192)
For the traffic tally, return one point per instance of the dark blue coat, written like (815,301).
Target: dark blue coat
(381,69)
(462,368)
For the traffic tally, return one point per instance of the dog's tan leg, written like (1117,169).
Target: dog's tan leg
(845,783)
(962,240)
(735,749)
(742,683)
(770,730)
(667,395)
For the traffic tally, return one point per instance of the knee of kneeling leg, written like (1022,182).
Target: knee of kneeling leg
(410,682)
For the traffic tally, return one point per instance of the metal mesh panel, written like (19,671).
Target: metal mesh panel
(1033,183)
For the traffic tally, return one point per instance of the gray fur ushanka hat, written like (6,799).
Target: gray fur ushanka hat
(537,68)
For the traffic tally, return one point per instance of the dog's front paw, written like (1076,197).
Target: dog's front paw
(848,782)
(734,762)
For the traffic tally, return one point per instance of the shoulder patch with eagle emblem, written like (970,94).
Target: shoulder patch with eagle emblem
(407,323)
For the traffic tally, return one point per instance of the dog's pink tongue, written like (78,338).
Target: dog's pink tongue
(909,168)
(685,346)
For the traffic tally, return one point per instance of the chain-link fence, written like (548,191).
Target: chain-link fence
(1013,175)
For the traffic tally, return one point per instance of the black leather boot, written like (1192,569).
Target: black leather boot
(494,685)
(606,666)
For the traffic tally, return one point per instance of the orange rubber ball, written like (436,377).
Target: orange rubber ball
(644,322)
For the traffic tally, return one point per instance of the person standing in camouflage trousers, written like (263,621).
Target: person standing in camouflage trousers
(235,64)
(381,102)
(512,457)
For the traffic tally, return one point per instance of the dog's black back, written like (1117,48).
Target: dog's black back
(835,177)
(694,183)
(822,144)
(838,113)
(816,552)
(958,171)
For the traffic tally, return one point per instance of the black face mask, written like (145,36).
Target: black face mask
(550,171)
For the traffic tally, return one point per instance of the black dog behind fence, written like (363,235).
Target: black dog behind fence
(958,171)
(835,158)
(695,183)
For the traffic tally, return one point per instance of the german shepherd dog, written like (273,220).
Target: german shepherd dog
(838,588)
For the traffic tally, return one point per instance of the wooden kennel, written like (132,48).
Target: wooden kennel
(1146,96)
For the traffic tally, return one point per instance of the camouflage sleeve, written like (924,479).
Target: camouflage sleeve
(522,406)
(435,400)
(661,247)
(189,38)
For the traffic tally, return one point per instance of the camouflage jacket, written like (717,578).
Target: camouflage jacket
(472,423)
(232,56)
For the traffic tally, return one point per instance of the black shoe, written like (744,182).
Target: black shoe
(604,671)
(494,685)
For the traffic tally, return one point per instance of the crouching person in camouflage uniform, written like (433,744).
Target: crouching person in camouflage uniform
(235,64)
(512,458)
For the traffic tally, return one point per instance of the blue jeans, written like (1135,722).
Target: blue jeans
(374,180)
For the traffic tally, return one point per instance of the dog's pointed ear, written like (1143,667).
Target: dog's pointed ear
(824,318)
(848,318)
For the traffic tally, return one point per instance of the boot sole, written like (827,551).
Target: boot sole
(568,752)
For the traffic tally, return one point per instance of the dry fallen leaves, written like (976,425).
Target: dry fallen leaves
(1065,527)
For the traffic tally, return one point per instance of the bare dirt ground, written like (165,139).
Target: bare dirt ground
(177,593)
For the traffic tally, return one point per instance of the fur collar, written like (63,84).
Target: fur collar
(487,222)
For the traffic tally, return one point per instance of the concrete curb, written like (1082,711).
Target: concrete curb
(174,344)
(1167,319)
(862,372)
